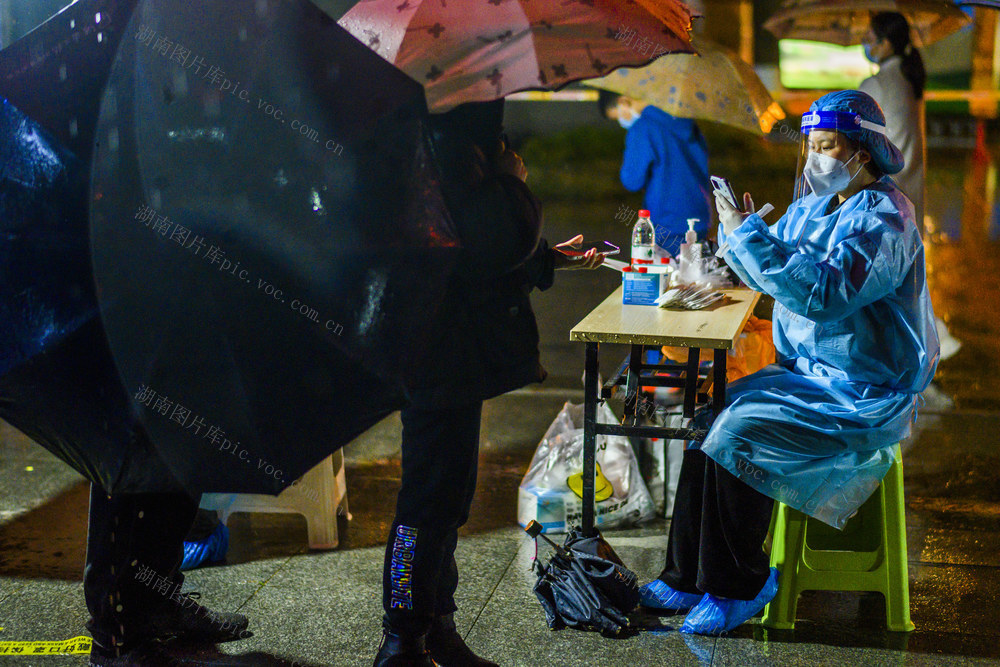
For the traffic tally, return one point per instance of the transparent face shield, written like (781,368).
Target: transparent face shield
(825,125)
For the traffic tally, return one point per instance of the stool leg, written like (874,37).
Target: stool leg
(897,596)
(344,509)
(786,555)
(321,513)
(341,485)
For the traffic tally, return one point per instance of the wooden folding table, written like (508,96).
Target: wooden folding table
(716,327)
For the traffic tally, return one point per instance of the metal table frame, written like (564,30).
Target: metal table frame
(634,373)
(631,375)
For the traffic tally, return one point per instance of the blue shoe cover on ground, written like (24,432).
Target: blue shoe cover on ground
(658,595)
(714,615)
(210,550)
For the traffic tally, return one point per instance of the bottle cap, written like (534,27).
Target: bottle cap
(642,269)
(691,223)
(643,213)
(627,268)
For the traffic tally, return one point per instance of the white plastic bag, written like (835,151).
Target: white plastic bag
(550,490)
(661,466)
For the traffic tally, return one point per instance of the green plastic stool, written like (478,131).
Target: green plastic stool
(868,555)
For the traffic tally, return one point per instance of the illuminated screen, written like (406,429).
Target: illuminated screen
(820,65)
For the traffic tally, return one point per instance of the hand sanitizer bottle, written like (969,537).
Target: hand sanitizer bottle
(690,253)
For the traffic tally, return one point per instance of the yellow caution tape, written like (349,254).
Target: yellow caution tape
(67,647)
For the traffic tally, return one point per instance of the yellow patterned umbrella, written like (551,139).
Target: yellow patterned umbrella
(716,85)
(845,22)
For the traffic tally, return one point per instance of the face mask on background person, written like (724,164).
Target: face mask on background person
(627,117)
(868,53)
(826,174)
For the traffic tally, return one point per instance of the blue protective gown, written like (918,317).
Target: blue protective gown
(856,343)
(668,158)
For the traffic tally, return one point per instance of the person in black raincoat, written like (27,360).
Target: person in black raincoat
(484,343)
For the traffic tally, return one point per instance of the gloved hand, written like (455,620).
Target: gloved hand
(729,217)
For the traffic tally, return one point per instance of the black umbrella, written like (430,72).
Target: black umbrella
(585,585)
(240,213)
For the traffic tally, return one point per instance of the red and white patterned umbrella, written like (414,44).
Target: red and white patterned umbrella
(482,50)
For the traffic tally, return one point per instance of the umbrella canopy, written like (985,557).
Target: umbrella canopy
(585,585)
(58,381)
(845,22)
(461,55)
(246,221)
(715,84)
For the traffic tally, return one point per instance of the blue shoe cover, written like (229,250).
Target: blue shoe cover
(715,615)
(210,550)
(658,595)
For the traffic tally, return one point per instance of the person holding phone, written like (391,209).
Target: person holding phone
(856,343)
(484,342)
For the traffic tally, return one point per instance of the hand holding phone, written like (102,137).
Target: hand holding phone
(575,254)
(722,185)
(580,249)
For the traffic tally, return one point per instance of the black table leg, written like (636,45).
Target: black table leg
(719,383)
(589,438)
(632,382)
(691,382)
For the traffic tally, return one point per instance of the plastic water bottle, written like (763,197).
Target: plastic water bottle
(642,239)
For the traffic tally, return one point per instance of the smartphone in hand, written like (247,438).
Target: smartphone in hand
(722,185)
(603,247)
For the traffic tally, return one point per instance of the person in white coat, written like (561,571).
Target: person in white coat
(899,90)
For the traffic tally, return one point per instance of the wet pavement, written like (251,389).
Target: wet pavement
(323,608)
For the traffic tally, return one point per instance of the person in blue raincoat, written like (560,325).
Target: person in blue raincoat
(856,344)
(667,158)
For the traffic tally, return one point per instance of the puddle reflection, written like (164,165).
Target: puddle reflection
(963,267)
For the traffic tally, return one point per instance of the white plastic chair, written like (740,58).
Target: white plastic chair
(319,496)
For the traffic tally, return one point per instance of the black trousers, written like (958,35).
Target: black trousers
(717,532)
(134,552)
(440,450)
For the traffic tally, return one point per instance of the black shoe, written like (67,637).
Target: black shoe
(189,621)
(149,654)
(447,647)
(398,651)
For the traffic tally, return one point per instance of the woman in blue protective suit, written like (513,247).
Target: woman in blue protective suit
(856,344)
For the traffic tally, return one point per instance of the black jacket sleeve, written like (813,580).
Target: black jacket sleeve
(496,216)
(541,266)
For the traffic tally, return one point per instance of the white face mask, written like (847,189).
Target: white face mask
(826,174)
(627,117)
